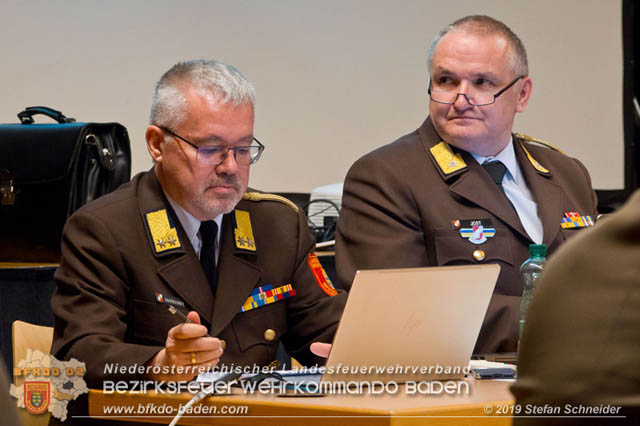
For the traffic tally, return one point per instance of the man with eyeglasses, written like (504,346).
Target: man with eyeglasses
(464,189)
(189,238)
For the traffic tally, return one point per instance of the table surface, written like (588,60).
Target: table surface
(27,265)
(486,403)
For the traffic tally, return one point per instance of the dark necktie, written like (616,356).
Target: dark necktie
(496,170)
(208,233)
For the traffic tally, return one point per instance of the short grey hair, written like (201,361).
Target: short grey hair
(224,82)
(486,25)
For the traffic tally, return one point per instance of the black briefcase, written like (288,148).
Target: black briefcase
(47,171)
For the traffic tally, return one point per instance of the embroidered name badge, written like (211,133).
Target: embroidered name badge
(476,230)
(266,295)
(574,220)
(321,276)
(160,298)
(243,233)
(163,233)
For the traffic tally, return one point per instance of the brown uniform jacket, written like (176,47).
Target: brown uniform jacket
(399,202)
(105,303)
(581,342)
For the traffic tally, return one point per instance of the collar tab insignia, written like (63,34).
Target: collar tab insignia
(243,233)
(448,161)
(163,232)
(535,163)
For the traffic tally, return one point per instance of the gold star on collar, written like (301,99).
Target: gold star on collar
(163,235)
(243,231)
(448,161)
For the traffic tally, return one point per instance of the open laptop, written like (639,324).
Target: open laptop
(411,324)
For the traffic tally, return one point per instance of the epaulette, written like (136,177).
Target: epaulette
(259,196)
(538,141)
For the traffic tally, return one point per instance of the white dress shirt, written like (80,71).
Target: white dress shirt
(517,191)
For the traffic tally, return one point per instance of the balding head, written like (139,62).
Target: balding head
(485,25)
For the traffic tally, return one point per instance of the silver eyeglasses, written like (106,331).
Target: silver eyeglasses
(214,155)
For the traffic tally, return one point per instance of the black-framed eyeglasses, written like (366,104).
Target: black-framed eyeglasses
(214,155)
(475,99)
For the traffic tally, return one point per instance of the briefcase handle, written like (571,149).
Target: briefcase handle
(26,116)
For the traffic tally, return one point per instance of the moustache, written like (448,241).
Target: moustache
(227,180)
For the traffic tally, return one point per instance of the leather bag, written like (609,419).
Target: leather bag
(47,171)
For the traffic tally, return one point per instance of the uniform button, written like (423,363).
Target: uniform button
(223,344)
(269,335)
(478,255)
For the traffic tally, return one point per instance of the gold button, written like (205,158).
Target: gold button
(478,255)
(223,344)
(269,335)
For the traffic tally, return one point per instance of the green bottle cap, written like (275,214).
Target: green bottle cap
(537,251)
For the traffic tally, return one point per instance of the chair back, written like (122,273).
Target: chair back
(32,337)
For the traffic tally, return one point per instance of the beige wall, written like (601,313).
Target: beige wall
(335,79)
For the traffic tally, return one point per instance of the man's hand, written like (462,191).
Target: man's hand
(320,349)
(189,346)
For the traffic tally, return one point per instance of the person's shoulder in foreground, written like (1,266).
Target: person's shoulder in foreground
(128,256)
(412,203)
(581,342)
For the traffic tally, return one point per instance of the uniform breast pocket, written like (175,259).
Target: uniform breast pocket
(151,322)
(259,330)
(452,249)
(570,232)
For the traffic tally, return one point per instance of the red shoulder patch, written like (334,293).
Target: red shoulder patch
(320,275)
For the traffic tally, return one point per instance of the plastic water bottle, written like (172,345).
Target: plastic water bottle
(531,270)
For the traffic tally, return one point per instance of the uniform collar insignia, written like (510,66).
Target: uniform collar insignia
(534,162)
(448,161)
(243,233)
(163,231)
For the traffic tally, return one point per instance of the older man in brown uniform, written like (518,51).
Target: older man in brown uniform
(153,243)
(462,188)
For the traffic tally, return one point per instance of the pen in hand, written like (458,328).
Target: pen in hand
(173,311)
(181,316)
